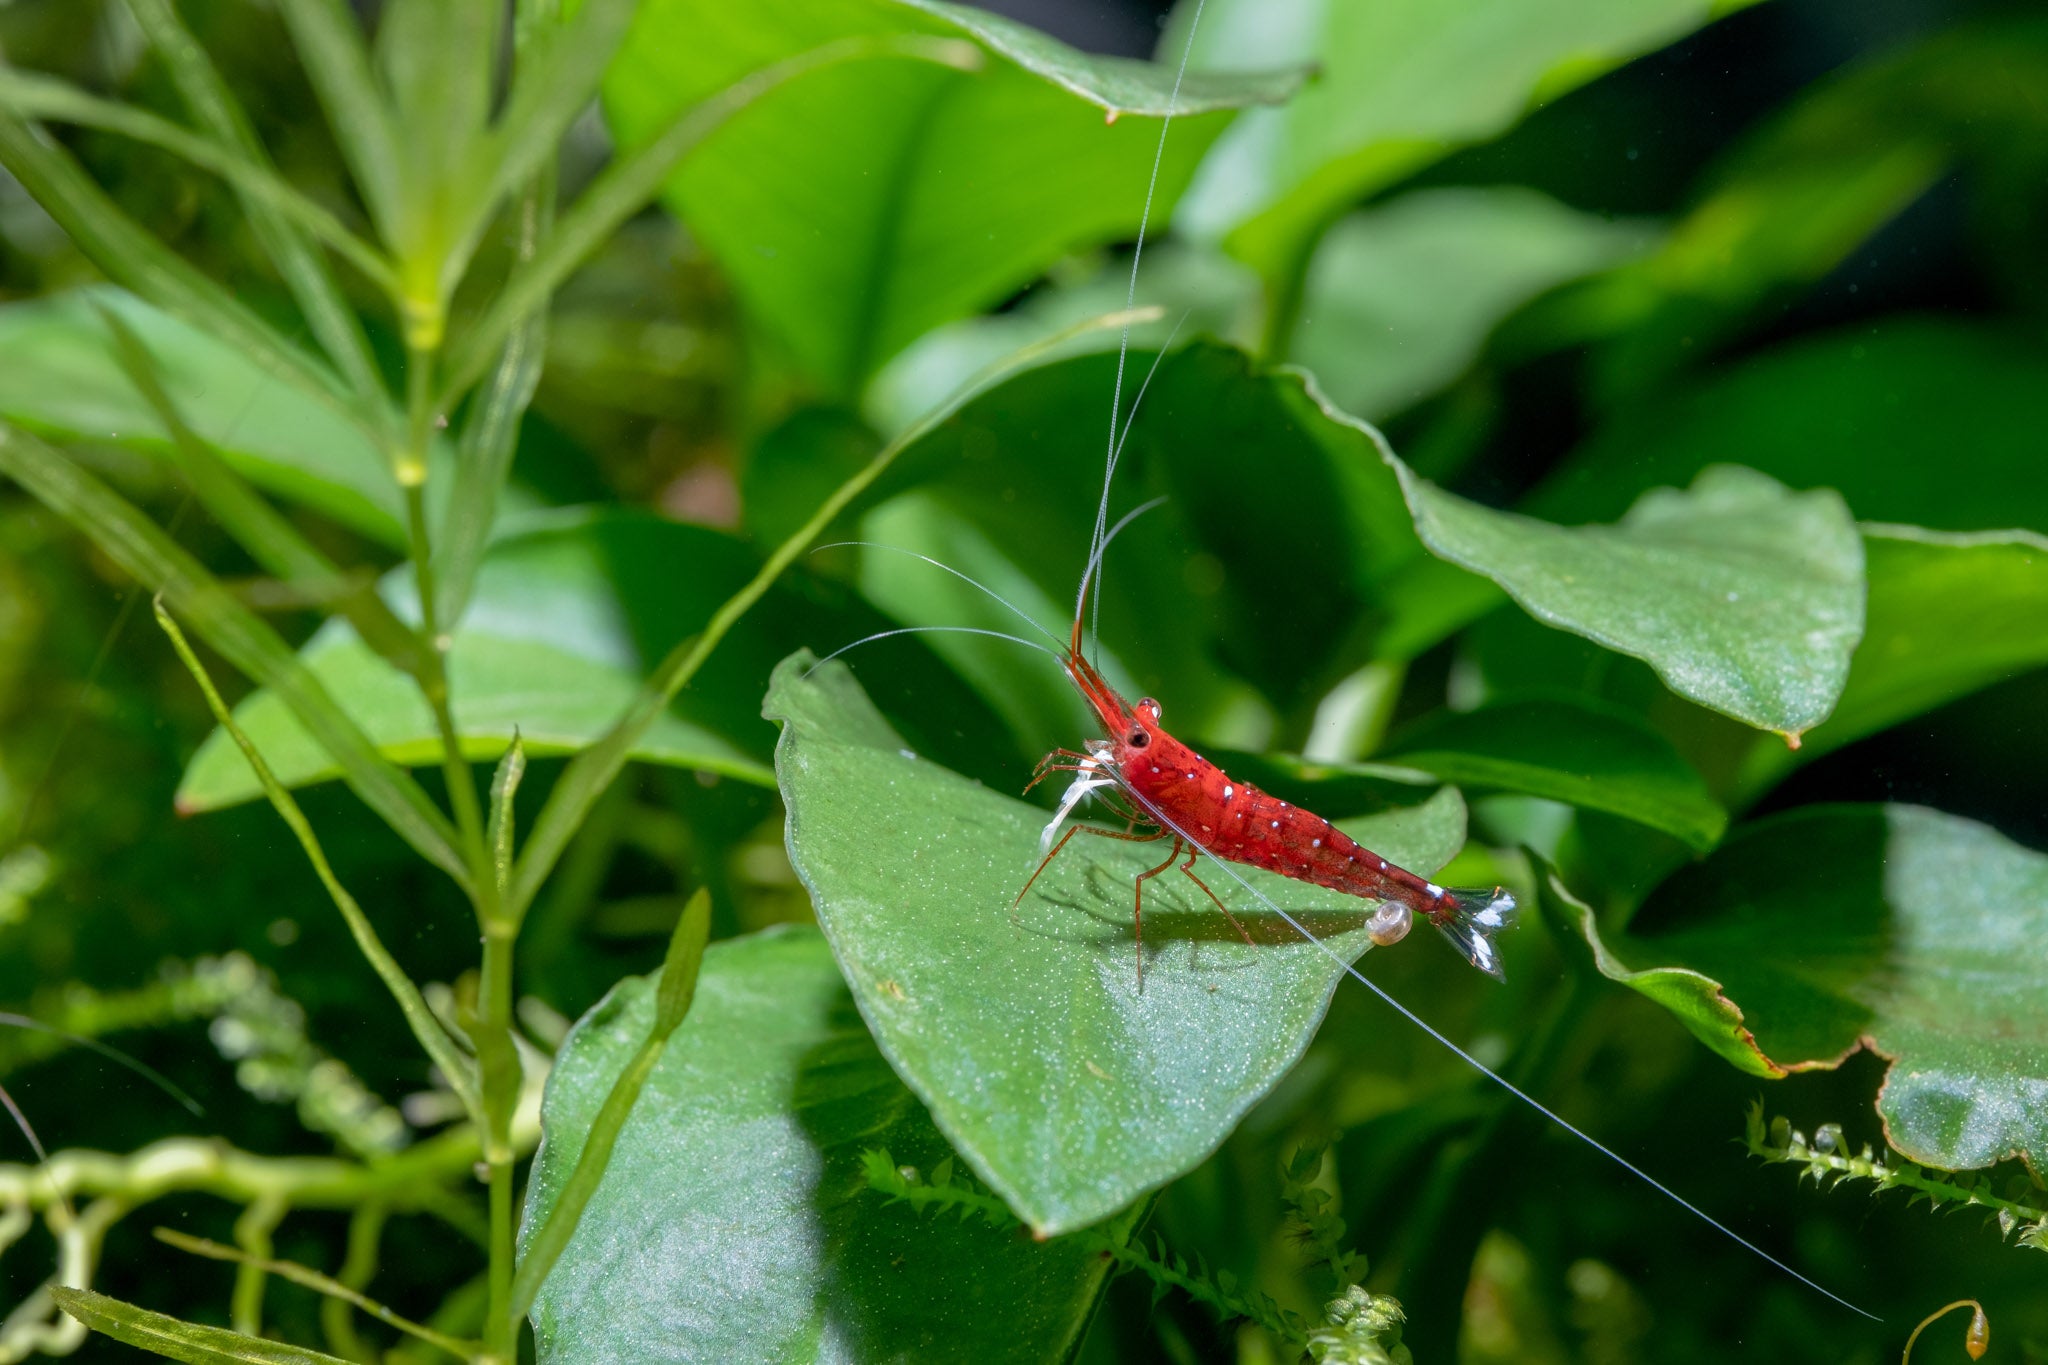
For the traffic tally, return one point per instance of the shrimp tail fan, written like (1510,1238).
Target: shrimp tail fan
(1475,920)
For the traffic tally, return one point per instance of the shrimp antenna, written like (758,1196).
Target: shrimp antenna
(1166,822)
(1101,546)
(927,630)
(1026,617)
(112,1054)
(1123,350)
(1092,569)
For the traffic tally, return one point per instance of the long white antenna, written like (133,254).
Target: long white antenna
(1123,349)
(1166,822)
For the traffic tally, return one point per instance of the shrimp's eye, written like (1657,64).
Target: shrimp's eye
(1138,738)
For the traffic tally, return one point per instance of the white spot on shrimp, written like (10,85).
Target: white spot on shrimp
(1228,791)
(1315,843)
(1382,863)
(1436,890)
(1191,777)
(1276,824)
(1155,767)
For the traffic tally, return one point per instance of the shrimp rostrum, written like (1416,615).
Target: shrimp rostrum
(1167,791)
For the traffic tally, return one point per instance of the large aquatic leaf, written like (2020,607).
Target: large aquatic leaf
(734,1222)
(571,609)
(859,207)
(1566,749)
(1400,297)
(1950,612)
(61,375)
(1402,83)
(1830,928)
(1399,301)
(1744,596)
(1920,421)
(1069,1088)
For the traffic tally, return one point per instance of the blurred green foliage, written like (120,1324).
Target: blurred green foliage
(495,366)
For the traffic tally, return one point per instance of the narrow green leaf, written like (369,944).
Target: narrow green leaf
(631,181)
(504,788)
(142,548)
(678,987)
(1066,1086)
(680,967)
(1815,933)
(438,60)
(1744,596)
(268,537)
(459,1070)
(132,257)
(552,82)
(490,434)
(213,104)
(28,95)
(1567,749)
(177,1340)
(737,1193)
(330,45)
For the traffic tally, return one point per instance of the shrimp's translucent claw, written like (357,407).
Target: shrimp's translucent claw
(1478,916)
(1088,777)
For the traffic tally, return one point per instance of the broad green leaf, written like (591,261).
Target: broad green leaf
(1401,84)
(174,1339)
(1398,302)
(1919,421)
(734,1221)
(1949,613)
(566,617)
(1400,297)
(862,206)
(571,610)
(1290,579)
(60,375)
(1744,596)
(1567,749)
(1066,1086)
(1910,932)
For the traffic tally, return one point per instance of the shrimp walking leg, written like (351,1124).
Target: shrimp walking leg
(1046,861)
(1138,903)
(1188,870)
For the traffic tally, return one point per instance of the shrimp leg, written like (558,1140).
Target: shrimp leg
(1188,870)
(1046,861)
(1138,903)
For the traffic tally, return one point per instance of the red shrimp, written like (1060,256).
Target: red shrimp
(1179,795)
